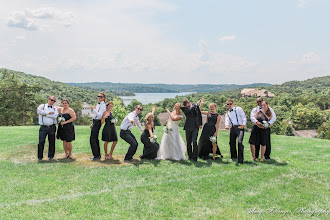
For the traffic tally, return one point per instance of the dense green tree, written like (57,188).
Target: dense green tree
(18,101)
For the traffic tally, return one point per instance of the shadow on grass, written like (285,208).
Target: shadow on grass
(146,161)
(63,160)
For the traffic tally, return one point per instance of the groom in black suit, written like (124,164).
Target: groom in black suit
(192,125)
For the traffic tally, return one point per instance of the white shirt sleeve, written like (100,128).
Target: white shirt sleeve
(41,110)
(100,112)
(253,115)
(53,116)
(131,116)
(137,122)
(226,120)
(272,120)
(242,114)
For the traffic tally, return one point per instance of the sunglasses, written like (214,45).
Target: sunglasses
(229,103)
(52,100)
(139,109)
(259,101)
(99,96)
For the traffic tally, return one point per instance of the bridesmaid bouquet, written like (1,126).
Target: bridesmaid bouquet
(265,124)
(114,121)
(153,139)
(60,119)
(167,129)
(213,139)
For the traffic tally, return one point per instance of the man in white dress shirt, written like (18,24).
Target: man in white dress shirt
(125,131)
(96,125)
(47,121)
(235,118)
(259,124)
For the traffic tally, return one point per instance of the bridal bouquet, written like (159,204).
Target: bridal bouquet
(60,119)
(213,139)
(265,124)
(153,139)
(167,129)
(114,121)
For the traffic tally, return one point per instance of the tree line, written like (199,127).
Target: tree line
(299,105)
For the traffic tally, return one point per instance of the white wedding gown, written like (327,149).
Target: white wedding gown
(172,146)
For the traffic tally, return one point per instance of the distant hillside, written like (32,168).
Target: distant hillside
(58,89)
(162,88)
(124,88)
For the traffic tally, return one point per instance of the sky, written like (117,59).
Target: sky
(167,41)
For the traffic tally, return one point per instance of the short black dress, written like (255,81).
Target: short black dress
(109,132)
(150,149)
(66,132)
(204,144)
(258,136)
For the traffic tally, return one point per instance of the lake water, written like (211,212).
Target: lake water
(146,98)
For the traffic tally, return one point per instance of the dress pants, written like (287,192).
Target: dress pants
(268,145)
(191,136)
(94,138)
(43,132)
(236,133)
(129,138)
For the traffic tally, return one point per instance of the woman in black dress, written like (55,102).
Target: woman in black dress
(150,148)
(205,146)
(258,132)
(65,130)
(109,133)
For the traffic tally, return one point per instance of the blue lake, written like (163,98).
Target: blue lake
(146,98)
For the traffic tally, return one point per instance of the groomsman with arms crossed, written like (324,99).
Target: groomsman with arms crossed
(126,134)
(47,121)
(192,125)
(237,119)
(259,124)
(96,125)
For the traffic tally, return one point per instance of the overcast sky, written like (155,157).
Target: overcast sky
(158,41)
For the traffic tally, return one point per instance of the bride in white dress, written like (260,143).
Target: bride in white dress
(172,146)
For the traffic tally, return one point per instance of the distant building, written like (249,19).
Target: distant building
(86,110)
(256,92)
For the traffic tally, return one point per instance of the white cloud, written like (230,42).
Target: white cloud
(310,58)
(19,19)
(39,19)
(225,38)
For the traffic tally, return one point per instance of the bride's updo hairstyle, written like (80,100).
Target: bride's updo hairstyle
(177,105)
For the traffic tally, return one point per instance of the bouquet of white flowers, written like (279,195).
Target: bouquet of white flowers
(265,124)
(213,139)
(60,119)
(153,139)
(167,129)
(114,121)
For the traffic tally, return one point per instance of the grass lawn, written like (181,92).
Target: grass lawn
(291,186)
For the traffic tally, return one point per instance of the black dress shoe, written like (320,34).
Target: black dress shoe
(50,158)
(195,159)
(127,160)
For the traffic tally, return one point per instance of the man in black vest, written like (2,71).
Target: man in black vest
(192,125)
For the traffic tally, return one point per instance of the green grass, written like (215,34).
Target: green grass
(297,179)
